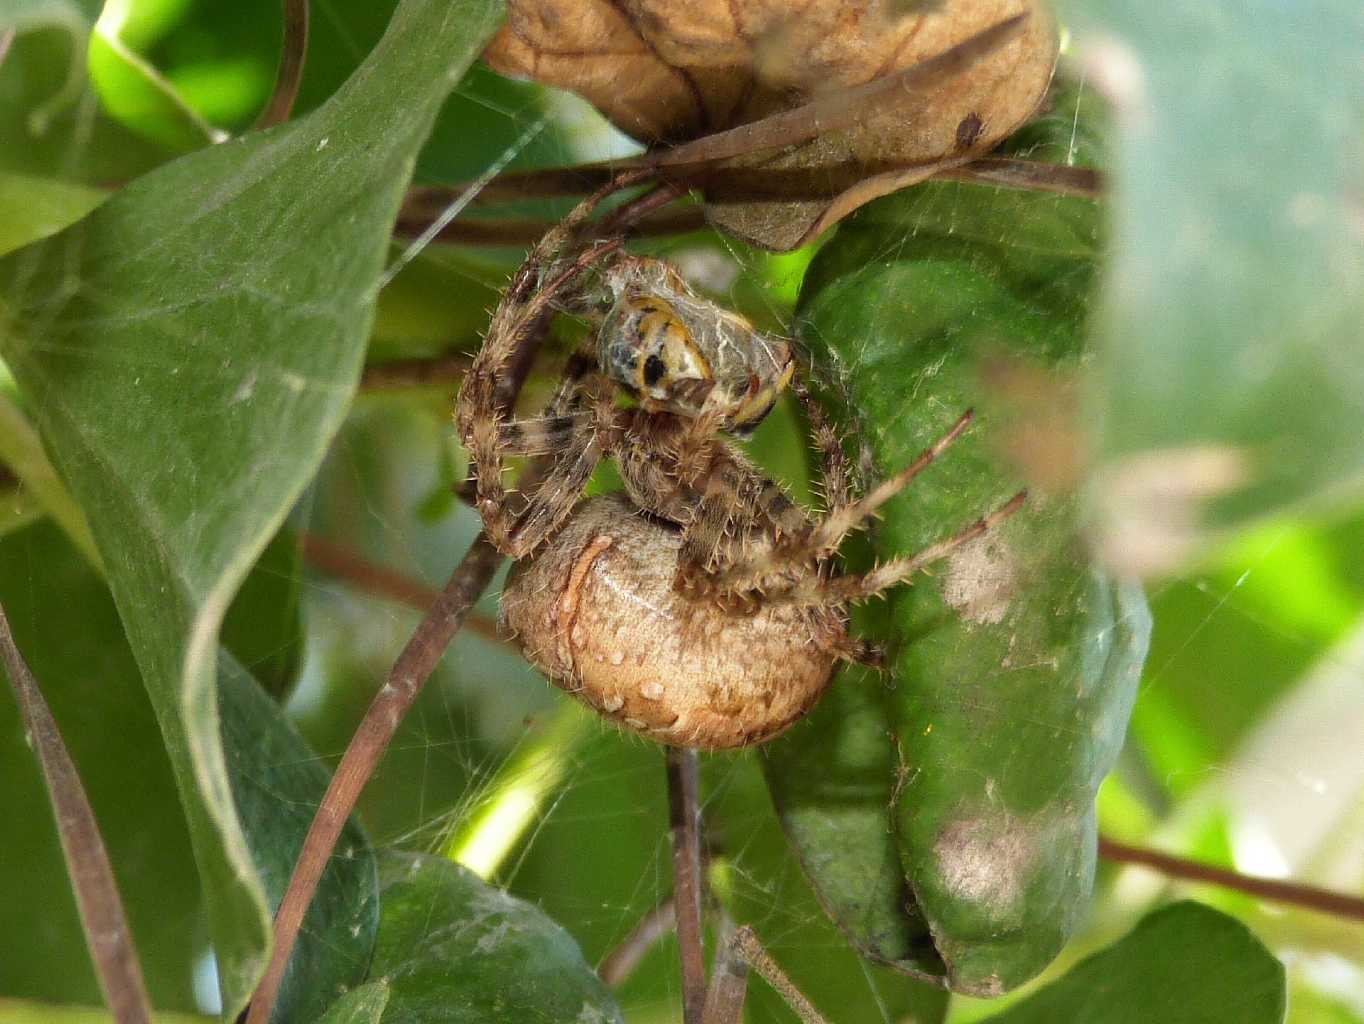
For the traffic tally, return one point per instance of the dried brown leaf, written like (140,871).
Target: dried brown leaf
(668,72)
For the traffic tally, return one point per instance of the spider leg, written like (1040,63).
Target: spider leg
(834,468)
(542,435)
(813,590)
(553,499)
(820,541)
(734,521)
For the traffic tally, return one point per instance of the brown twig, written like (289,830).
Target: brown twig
(516,232)
(415,373)
(346,564)
(6,41)
(684,820)
(1028,176)
(92,878)
(621,962)
(736,184)
(1310,897)
(293,50)
(413,667)
(837,110)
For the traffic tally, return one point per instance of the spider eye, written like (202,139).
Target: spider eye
(653,370)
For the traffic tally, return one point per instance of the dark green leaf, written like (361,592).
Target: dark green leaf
(66,624)
(277,783)
(456,949)
(759,883)
(190,348)
(263,628)
(1184,964)
(1228,378)
(1015,663)
(65,618)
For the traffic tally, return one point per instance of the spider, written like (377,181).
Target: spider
(703,607)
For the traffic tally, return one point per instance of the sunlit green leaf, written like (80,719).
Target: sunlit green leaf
(190,348)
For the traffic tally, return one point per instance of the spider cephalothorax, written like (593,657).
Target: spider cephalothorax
(678,353)
(704,607)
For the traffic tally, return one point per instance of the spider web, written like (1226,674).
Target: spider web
(1244,744)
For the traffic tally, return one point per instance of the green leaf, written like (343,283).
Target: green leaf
(277,782)
(1228,381)
(264,627)
(456,949)
(1015,663)
(1183,964)
(189,349)
(759,883)
(68,629)
(363,1005)
(71,634)
(836,821)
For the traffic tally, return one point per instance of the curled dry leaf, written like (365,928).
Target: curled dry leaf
(667,72)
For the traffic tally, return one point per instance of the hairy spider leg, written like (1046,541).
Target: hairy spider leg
(820,540)
(835,471)
(813,591)
(512,337)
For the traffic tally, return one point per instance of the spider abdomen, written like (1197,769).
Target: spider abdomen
(596,611)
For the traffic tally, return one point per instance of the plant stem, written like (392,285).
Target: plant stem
(92,877)
(410,672)
(684,819)
(621,962)
(348,565)
(293,50)
(1310,897)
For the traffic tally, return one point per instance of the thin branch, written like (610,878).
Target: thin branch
(519,232)
(621,962)
(6,41)
(92,878)
(290,74)
(1310,897)
(410,672)
(396,374)
(350,566)
(736,184)
(684,819)
(837,110)
(1028,176)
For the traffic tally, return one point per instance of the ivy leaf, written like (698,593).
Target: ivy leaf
(189,349)
(455,949)
(1183,964)
(1228,381)
(1015,663)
